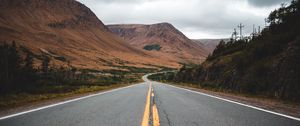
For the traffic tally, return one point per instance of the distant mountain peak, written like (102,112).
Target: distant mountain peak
(163,24)
(173,43)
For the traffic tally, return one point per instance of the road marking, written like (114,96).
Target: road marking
(155,115)
(64,102)
(145,121)
(250,106)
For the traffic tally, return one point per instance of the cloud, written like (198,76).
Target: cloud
(195,18)
(264,3)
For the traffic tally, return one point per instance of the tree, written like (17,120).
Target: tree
(29,73)
(14,65)
(45,65)
(4,73)
(14,58)
(10,66)
(220,47)
(29,61)
(272,17)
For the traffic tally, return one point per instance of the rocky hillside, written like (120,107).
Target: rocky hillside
(69,32)
(163,40)
(266,65)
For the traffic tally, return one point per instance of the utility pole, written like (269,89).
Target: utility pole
(259,30)
(234,34)
(241,26)
(254,31)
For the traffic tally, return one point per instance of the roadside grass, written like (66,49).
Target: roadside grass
(52,92)
(263,100)
(215,89)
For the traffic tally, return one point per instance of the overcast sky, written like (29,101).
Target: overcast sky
(195,18)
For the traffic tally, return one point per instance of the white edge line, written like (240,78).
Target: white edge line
(250,106)
(64,102)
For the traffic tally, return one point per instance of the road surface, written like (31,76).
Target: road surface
(179,107)
(127,107)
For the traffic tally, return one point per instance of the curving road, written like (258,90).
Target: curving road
(126,107)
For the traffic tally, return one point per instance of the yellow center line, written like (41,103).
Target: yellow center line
(155,112)
(145,121)
(155,115)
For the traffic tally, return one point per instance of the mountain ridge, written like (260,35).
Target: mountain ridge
(174,44)
(71,30)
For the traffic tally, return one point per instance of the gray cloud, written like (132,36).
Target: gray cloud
(264,3)
(195,18)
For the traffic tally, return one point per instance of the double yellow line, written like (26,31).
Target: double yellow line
(145,121)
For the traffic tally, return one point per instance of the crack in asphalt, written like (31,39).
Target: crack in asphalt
(164,111)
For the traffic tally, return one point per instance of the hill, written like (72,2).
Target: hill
(265,65)
(163,40)
(69,32)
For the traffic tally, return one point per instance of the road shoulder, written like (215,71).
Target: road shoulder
(278,106)
(42,103)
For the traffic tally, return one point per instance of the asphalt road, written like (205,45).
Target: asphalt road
(125,107)
(179,107)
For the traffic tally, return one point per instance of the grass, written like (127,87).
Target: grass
(226,91)
(20,99)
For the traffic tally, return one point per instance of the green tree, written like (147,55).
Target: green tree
(29,75)
(220,48)
(10,66)
(45,65)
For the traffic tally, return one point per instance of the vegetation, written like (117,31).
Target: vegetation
(152,47)
(266,64)
(162,77)
(20,78)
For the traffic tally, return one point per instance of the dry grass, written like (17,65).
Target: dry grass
(21,99)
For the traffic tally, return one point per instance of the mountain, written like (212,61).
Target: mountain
(69,32)
(208,44)
(161,39)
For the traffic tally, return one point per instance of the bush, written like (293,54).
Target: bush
(152,47)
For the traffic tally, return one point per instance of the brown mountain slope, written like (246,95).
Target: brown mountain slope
(209,44)
(68,29)
(173,44)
